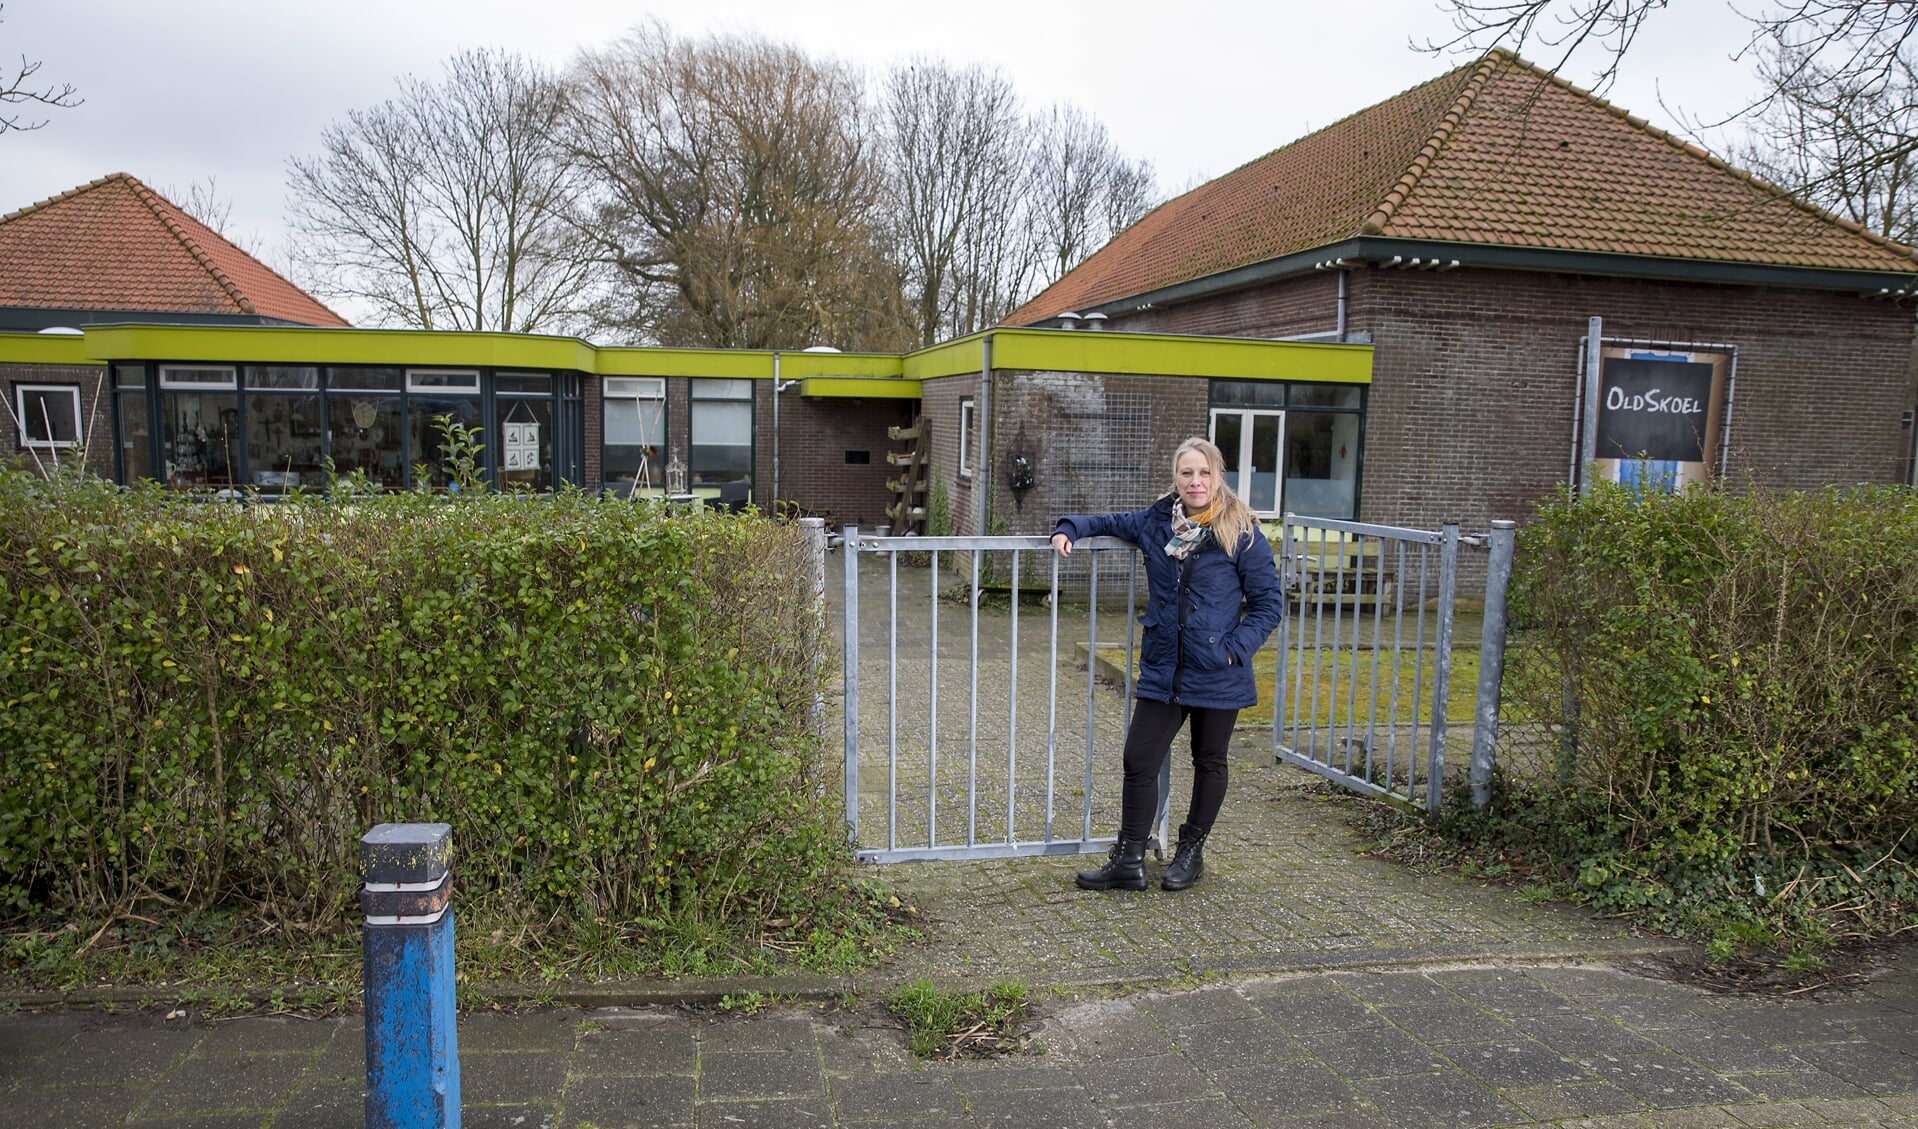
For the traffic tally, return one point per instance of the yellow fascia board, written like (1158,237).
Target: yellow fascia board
(722,364)
(846,387)
(859,366)
(314,346)
(948,358)
(44,349)
(1230,358)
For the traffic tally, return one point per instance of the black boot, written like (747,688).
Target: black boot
(1124,868)
(1188,859)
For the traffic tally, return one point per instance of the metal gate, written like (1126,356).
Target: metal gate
(966,735)
(1363,693)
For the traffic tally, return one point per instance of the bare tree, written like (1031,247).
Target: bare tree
(448,207)
(1845,143)
(1858,41)
(960,152)
(203,202)
(734,194)
(18,88)
(1084,190)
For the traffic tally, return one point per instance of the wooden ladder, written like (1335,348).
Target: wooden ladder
(907,512)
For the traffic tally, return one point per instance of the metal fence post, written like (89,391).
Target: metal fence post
(412,1054)
(849,544)
(1491,663)
(1442,664)
(815,532)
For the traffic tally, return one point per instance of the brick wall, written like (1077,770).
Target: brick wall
(1475,377)
(814,439)
(96,413)
(939,402)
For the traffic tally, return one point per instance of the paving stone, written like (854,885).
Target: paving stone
(1508,993)
(202,1121)
(1288,1089)
(744,1075)
(1587,1099)
(1373,1053)
(1767,1115)
(808,1113)
(1396,989)
(773,1032)
(1666,1081)
(323,1105)
(268,1035)
(1111,1029)
(666,1048)
(1210,1005)
(225,1084)
(619,1100)
(1585,1036)
(1121,1083)
(531,1115)
(1310,1009)
(1729,1051)
(1207,1112)
(1065,1108)
(892,1097)
(545,1030)
(71,1107)
(511,1077)
(1213,1047)
(1448,1098)
(1698,1117)
(1870,1068)
(1792,1085)
(116,1055)
(1459,1022)
(1517,1065)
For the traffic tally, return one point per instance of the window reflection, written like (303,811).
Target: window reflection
(426,435)
(365,435)
(200,434)
(283,449)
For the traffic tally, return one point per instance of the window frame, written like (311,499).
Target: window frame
(968,420)
(172,383)
(21,415)
(413,388)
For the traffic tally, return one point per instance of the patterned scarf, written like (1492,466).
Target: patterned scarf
(1188,533)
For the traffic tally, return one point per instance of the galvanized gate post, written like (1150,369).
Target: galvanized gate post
(1491,663)
(815,532)
(1442,665)
(849,545)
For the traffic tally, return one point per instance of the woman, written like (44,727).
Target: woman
(1214,598)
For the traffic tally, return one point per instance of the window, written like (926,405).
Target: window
(966,424)
(721,432)
(198,376)
(523,439)
(1290,446)
(633,443)
(48,414)
(135,429)
(283,433)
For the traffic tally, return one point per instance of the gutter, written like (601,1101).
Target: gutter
(1430,254)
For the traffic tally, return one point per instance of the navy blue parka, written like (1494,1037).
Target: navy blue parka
(1199,611)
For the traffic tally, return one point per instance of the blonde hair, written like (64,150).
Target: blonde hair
(1232,519)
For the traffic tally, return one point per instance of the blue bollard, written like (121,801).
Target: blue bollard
(412,1054)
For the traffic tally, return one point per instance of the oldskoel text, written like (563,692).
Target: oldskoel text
(1617,400)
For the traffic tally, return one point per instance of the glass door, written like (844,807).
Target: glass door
(1251,441)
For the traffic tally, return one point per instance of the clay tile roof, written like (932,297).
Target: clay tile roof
(115,244)
(1498,152)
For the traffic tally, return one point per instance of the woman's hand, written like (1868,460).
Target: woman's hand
(1061,544)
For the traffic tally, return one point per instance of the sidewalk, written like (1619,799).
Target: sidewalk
(1299,984)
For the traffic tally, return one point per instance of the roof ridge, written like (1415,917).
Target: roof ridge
(40,205)
(169,214)
(1713,159)
(1441,134)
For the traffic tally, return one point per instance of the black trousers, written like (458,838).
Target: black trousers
(1147,744)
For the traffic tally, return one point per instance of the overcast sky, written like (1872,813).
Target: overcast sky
(177,91)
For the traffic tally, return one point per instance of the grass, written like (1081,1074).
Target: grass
(950,1025)
(1332,678)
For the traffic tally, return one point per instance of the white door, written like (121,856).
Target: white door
(1251,440)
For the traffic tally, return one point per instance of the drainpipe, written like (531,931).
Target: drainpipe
(1342,276)
(983,496)
(779,386)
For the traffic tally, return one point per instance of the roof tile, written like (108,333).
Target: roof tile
(1498,152)
(115,244)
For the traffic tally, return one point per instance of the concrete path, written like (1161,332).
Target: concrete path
(1299,984)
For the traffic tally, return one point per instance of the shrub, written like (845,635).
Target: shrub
(1729,688)
(209,703)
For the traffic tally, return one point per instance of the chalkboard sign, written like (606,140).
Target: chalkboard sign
(1653,409)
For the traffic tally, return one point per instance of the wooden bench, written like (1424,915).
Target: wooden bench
(1321,567)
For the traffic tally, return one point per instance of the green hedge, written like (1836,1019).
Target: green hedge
(209,703)
(1723,691)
